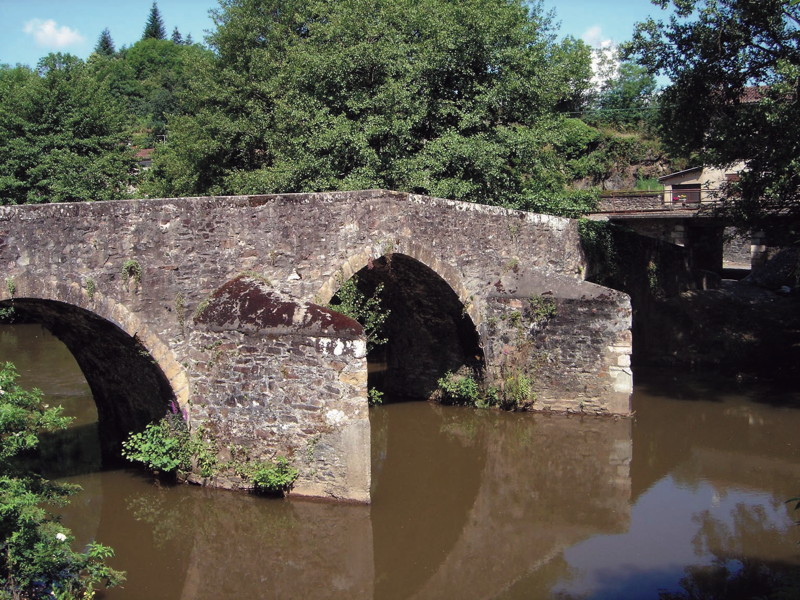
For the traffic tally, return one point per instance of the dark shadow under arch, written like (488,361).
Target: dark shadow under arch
(429,330)
(129,388)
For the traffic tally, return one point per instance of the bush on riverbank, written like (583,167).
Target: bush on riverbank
(36,560)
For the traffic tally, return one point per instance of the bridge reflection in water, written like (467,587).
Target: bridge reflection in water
(466,503)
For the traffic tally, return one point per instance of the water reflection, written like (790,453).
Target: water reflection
(501,503)
(685,501)
(713,463)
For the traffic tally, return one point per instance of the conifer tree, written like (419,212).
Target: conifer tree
(176,36)
(105,45)
(155,25)
(189,41)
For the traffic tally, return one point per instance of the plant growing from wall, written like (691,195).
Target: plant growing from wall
(457,388)
(367,310)
(167,446)
(597,241)
(11,286)
(652,279)
(541,309)
(91,287)
(180,310)
(517,392)
(163,446)
(131,269)
(273,477)
(374,396)
(36,560)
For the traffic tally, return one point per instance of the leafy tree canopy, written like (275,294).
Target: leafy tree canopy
(455,99)
(60,135)
(627,97)
(735,72)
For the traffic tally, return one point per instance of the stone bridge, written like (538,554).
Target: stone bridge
(217,307)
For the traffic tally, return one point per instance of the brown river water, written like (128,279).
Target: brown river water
(466,503)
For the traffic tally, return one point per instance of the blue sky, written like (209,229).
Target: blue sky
(33,28)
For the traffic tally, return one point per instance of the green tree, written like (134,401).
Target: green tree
(157,71)
(627,97)
(36,559)
(177,38)
(734,67)
(105,45)
(61,135)
(154,28)
(450,99)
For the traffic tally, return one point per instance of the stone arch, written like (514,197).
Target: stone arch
(131,372)
(431,328)
(417,251)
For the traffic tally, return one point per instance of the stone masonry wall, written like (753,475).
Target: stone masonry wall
(631,202)
(149,266)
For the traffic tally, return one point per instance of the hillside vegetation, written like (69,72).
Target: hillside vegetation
(476,101)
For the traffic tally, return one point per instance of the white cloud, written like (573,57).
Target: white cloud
(594,36)
(49,35)
(605,62)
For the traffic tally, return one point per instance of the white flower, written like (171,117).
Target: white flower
(61,537)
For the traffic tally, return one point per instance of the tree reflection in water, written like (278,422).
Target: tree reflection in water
(747,559)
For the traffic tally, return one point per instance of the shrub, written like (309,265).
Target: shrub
(36,560)
(273,478)
(162,446)
(354,303)
(168,446)
(459,389)
(131,269)
(517,392)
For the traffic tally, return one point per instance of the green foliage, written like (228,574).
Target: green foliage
(354,303)
(168,446)
(459,389)
(648,185)
(154,28)
(541,308)
(652,278)
(734,67)
(91,287)
(374,396)
(517,392)
(11,286)
(599,246)
(272,478)
(105,45)
(61,135)
(37,561)
(627,99)
(449,99)
(162,446)
(131,269)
